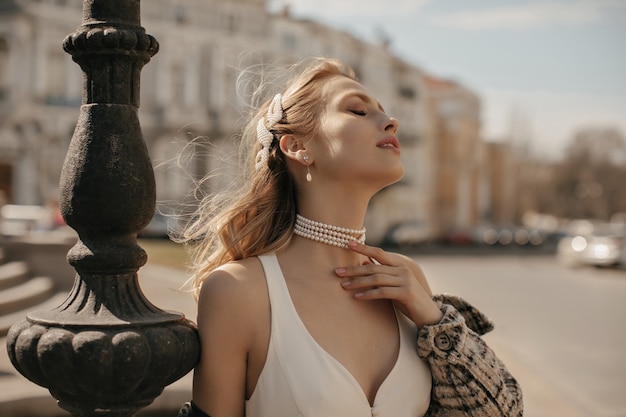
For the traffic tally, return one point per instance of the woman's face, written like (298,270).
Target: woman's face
(356,138)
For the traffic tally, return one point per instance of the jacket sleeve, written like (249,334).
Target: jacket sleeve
(468,379)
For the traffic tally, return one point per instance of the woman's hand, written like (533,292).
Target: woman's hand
(397,278)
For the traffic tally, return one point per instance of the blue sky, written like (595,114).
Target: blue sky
(543,69)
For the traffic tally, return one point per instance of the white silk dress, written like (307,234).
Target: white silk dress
(301,379)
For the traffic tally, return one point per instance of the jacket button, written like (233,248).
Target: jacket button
(442,342)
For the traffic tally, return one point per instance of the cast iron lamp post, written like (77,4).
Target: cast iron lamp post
(106,351)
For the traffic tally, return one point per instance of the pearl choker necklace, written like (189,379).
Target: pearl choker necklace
(327,233)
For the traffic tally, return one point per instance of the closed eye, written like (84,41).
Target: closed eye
(359,112)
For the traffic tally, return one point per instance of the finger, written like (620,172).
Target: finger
(381,293)
(371,252)
(364,270)
(371,281)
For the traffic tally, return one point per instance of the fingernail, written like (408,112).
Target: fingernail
(352,244)
(346,283)
(340,271)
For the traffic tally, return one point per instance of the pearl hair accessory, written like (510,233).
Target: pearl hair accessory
(274,115)
(327,233)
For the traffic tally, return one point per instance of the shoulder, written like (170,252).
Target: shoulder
(235,279)
(414,267)
(233,292)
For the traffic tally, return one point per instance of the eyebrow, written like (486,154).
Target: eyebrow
(365,98)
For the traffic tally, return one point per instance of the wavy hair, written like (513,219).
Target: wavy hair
(257,214)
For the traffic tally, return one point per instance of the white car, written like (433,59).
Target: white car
(592,243)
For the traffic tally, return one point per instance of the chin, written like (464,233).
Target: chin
(393,175)
(399,171)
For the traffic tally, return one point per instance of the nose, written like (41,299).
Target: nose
(392,125)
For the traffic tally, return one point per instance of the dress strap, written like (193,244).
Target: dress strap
(274,279)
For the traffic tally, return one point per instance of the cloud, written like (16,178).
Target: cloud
(534,14)
(350,8)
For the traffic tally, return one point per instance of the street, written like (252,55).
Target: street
(560,331)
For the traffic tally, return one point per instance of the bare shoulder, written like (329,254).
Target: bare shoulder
(234,279)
(235,289)
(414,267)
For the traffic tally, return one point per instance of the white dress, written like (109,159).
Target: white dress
(301,379)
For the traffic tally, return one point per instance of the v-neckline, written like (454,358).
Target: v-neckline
(327,354)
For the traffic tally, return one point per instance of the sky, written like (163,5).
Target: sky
(543,69)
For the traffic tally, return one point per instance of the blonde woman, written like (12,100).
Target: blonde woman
(297,316)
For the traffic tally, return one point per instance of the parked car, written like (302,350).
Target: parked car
(160,227)
(459,237)
(508,235)
(593,243)
(18,220)
(407,234)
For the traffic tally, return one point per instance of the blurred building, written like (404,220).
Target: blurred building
(191,90)
(505,192)
(39,96)
(461,169)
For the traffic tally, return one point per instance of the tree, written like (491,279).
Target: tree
(591,180)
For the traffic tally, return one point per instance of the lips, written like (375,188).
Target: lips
(390,142)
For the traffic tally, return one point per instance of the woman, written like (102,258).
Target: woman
(297,316)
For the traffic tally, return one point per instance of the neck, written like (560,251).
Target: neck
(337,204)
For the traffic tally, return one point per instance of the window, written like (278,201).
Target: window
(55,76)
(407,92)
(4,69)
(177,84)
(180,13)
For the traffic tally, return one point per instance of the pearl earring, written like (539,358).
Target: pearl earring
(308,170)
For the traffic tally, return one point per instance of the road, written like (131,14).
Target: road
(561,332)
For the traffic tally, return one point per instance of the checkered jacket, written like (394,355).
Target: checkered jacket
(468,379)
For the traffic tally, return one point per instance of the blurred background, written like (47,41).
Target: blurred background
(513,131)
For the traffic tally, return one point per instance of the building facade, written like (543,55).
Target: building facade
(193,103)
(460,170)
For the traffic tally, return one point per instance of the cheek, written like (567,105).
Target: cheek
(343,150)
(342,140)
(335,139)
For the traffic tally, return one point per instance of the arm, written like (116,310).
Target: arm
(219,377)
(468,378)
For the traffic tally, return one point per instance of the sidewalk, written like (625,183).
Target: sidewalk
(541,399)
(21,398)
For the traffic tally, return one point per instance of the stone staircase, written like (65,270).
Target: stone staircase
(21,293)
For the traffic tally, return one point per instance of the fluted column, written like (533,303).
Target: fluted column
(106,351)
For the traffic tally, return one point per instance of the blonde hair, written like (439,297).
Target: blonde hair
(258,214)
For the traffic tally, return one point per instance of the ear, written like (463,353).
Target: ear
(293,148)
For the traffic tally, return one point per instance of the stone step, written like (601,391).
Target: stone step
(13,273)
(22,296)
(8,320)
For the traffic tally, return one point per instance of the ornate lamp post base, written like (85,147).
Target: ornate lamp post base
(110,358)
